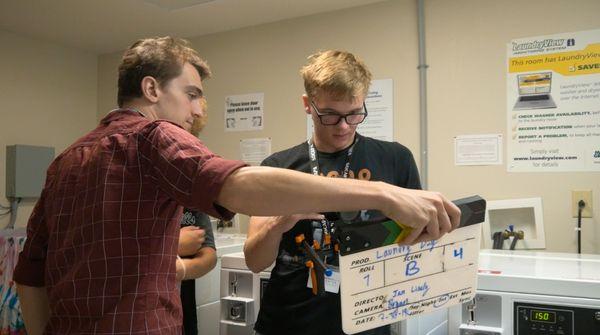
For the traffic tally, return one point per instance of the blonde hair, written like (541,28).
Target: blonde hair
(336,73)
(200,121)
(161,58)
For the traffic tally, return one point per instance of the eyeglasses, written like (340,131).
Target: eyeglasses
(331,119)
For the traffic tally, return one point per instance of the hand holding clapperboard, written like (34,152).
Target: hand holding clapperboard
(383,282)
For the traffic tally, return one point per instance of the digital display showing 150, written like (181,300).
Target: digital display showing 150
(543,316)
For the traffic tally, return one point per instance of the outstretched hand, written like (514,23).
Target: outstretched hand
(429,214)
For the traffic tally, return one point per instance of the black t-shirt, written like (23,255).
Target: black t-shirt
(202,221)
(288,306)
(188,287)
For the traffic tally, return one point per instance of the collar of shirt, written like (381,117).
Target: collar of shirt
(120,113)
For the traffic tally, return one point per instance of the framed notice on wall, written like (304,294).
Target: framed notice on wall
(553,103)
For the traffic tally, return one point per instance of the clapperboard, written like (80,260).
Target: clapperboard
(383,282)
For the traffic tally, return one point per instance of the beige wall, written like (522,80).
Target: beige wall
(267,59)
(47,98)
(466,42)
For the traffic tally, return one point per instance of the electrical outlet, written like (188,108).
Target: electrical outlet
(585,196)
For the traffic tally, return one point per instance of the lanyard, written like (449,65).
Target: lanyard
(314,168)
(314,160)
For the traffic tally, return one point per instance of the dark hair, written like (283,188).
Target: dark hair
(161,58)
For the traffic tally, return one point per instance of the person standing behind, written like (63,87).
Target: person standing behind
(336,84)
(197,252)
(197,249)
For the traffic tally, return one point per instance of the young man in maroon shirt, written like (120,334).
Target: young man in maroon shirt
(101,247)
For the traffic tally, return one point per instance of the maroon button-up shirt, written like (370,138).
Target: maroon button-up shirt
(103,236)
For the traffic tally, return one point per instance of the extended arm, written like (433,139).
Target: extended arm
(273,191)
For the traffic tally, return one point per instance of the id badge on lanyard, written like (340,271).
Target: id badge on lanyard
(332,274)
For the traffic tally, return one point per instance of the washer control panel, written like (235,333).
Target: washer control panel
(541,319)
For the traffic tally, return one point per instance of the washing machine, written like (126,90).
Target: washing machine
(532,293)
(208,294)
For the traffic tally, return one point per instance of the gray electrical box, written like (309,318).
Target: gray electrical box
(26,167)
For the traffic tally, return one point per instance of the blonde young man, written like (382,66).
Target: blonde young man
(336,85)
